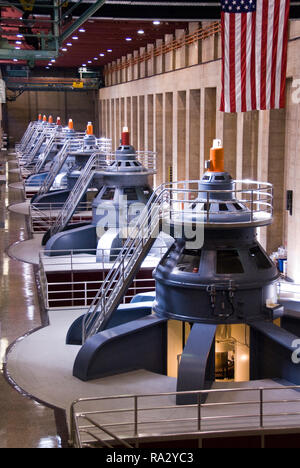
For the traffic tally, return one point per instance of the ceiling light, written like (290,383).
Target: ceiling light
(102,55)
(53,60)
(84,65)
(89,61)
(81,30)
(141,31)
(15,60)
(64,50)
(47,68)
(75,38)
(156,22)
(18,48)
(128,39)
(20,35)
(109,50)
(69,44)
(18,42)
(96,58)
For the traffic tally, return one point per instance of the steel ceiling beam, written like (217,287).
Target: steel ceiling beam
(82,19)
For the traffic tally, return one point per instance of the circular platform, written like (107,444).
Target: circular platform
(41,365)
(27,251)
(20,208)
(14,171)
(17,185)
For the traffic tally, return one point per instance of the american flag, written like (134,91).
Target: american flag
(254,54)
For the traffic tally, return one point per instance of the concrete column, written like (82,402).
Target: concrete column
(169,56)
(226,131)
(122,113)
(113,74)
(128,113)
(142,63)
(129,69)
(150,62)
(246,146)
(168,138)
(194,49)
(159,60)
(208,123)
(134,121)
(181,53)
(193,134)
(136,66)
(276,177)
(141,123)
(159,131)
(209,45)
(118,123)
(119,72)
(292,182)
(124,70)
(108,119)
(180,135)
(113,120)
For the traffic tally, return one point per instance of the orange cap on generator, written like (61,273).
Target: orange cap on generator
(71,125)
(216,157)
(40,117)
(45,118)
(90,129)
(50,120)
(58,121)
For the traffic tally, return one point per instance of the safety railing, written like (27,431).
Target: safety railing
(139,241)
(166,48)
(95,162)
(44,215)
(125,420)
(63,285)
(147,160)
(177,204)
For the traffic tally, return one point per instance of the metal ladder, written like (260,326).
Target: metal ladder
(137,246)
(94,163)
(28,144)
(32,154)
(26,134)
(53,139)
(56,166)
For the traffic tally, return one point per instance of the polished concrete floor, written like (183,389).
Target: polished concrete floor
(24,423)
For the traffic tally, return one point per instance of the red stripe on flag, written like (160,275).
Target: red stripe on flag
(264,46)
(222,105)
(284,55)
(232,62)
(274,53)
(243,61)
(253,67)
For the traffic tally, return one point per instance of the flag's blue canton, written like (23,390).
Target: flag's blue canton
(238,6)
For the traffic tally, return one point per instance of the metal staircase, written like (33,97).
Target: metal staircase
(137,246)
(28,144)
(33,153)
(94,163)
(40,163)
(68,146)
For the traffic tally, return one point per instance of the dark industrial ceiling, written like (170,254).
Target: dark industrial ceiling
(105,36)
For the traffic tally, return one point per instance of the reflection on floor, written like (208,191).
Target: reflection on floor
(24,423)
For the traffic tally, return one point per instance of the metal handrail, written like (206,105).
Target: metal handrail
(104,301)
(136,408)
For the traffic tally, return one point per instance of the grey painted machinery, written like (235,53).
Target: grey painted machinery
(123,191)
(215,273)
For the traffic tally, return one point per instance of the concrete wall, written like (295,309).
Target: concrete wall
(179,117)
(80,106)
